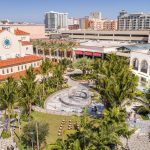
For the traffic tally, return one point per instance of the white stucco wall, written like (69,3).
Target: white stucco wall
(19,67)
(16,48)
(141,56)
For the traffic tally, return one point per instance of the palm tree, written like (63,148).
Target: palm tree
(58,75)
(45,68)
(8,97)
(115,83)
(84,64)
(28,90)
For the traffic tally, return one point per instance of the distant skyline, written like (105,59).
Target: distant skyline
(34,10)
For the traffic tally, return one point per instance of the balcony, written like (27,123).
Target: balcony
(135,68)
(144,70)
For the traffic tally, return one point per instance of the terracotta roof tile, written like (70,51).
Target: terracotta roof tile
(26,43)
(19,60)
(20,32)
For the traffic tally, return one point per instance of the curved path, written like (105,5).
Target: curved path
(71,83)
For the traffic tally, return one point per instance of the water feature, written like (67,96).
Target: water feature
(70,100)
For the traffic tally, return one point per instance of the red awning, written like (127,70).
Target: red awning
(97,54)
(79,52)
(88,53)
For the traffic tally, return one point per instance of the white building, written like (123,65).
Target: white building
(55,21)
(134,21)
(95,15)
(140,63)
(16,53)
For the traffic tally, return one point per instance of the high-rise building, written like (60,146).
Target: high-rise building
(84,23)
(110,25)
(55,21)
(134,21)
(95,15)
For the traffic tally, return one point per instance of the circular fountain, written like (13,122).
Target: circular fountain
(70,100)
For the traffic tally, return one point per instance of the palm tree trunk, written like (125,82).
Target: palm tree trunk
(8,119)
(30,108)
(50,55)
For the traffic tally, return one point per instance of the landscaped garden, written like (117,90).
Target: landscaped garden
(114,86)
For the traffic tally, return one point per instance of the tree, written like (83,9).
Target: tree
(45,68)
(84,64)
(28,90)
(29,136)
(8,96)
(58,75)
(114,80)
(65,63)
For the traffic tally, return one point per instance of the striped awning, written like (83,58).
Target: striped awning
(97,54)
(78,52)
(87,53)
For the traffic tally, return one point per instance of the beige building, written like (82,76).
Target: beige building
(37,31)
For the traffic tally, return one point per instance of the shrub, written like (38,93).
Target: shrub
(5,134)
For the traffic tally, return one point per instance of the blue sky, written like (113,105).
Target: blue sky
(33,10)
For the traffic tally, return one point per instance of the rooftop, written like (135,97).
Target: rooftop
(135,47)
(20,32)
(19,60)
(102,44)
(26,43)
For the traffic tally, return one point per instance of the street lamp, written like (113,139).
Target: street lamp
(31,133)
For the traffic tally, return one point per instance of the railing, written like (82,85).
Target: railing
(135,68)
(144,70)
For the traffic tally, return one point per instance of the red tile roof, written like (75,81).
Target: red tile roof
(26,43)
(19,60)
(17,75)
(20,32)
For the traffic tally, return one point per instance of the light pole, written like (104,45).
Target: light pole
(18,118)
(31,133)
(37,136)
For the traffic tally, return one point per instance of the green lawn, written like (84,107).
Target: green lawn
(54,122)
(80,76)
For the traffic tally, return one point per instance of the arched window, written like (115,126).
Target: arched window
(144,66)
(135,64)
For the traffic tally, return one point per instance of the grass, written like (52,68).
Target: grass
(53,121)
(81,76)
(145,117)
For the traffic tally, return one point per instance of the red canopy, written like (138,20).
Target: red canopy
(88,53)
(97,54)
(79,52)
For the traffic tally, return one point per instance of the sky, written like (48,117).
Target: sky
(34,10)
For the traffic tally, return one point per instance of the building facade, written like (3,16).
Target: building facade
(134,21)
(95,15)
(140,63)
(37,31)
(55,20)
(110,25)
(16,53)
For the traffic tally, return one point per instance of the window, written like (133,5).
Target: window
(144,66)
(22,67)
(7,70)
(34,64)
(135,64)
(11,69)
(25,66)
(27,48)
(3,71)
(18,68)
